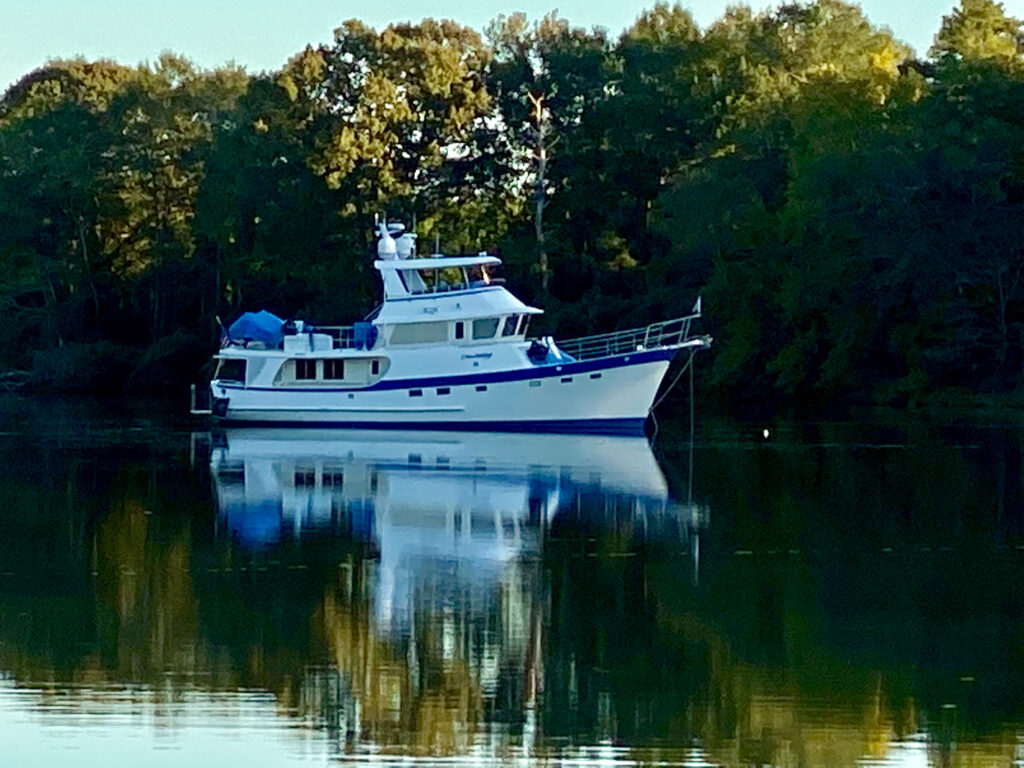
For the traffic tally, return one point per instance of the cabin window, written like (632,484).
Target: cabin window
(374,367)
(485,328)
(460,330)
(305,369)
(524,323)
(509,328)
(334,369)
(419,333)
(230,370)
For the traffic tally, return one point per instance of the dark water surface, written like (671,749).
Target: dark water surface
(835,594)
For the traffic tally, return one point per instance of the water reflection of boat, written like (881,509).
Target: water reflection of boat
(273,483)
(464,503)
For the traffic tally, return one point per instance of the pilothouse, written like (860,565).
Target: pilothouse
(447,348)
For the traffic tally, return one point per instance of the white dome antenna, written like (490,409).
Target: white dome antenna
(386,248)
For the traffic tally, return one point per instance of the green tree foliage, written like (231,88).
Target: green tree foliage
(851,213)
(402,109)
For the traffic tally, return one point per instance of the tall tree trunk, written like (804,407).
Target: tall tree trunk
(538,218)
(88,270)
(541,130)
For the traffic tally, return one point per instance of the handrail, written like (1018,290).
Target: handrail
(343,336)
(668,333)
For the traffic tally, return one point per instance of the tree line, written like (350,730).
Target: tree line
(852,214)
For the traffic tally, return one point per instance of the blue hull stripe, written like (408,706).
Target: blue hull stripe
(633,427)
(519,374)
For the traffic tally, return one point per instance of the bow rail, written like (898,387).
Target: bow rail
(668,333)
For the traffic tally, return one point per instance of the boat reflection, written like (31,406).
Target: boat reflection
(452,512)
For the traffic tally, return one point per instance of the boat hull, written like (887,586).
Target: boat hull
(610,395)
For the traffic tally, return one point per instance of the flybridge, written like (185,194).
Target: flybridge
(406,275)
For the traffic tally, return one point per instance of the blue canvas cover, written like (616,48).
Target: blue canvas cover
(364,335)
(257,326)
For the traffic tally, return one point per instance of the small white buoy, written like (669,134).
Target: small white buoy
(765,433)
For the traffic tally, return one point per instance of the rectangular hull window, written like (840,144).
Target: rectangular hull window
(334,369)
(305,369)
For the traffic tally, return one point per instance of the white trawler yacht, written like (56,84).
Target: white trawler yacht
(448,348)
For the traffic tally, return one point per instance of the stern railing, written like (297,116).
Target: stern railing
(668,333)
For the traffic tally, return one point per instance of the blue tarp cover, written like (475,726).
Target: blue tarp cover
(257,326)
(364,335)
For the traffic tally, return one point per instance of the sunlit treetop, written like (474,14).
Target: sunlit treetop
(977,30)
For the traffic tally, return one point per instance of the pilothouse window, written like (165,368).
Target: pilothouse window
(509,328)
(485,328)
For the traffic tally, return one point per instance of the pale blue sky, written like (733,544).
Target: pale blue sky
(263,34)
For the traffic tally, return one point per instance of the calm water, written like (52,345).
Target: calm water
(833,595)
